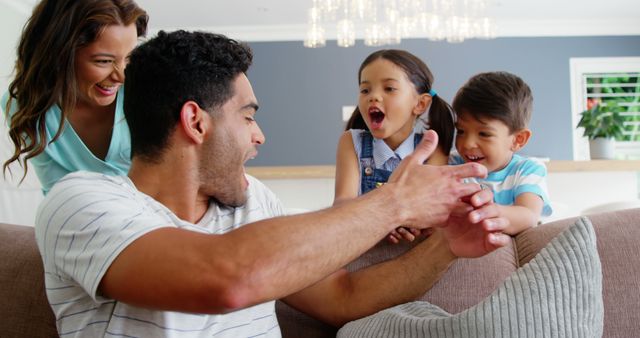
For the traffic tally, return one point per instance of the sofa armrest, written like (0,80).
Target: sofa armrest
(24,309)
(531,241)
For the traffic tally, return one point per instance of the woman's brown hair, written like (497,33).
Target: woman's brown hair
(44,70)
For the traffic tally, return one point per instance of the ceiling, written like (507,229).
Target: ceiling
(277,20)
(269,20)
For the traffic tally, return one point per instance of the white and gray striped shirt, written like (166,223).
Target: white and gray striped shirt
(87,219)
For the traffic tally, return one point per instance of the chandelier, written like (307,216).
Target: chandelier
(387,22)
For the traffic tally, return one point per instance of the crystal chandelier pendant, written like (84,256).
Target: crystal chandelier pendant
(431,25)
(315,34)
(486,28)
(376,35)
(315,37)
(346,34)
(454,29)
(383,22)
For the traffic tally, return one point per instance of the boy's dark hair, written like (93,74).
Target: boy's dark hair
(171,69)
(440,117)
(496,95)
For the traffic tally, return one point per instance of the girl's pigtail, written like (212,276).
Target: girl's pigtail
(356,121)
(441,120)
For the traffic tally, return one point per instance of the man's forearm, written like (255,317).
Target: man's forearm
(377,287)
(297,251)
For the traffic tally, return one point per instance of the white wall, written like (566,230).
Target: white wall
(17,201)
(307,194)
(12,20)
(571,193)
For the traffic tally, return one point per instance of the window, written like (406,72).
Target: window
(612,83)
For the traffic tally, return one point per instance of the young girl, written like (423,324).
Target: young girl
(395,90)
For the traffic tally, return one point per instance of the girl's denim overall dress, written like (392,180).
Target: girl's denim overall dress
(370,176)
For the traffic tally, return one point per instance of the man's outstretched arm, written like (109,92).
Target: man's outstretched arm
(181,270)
(344,296)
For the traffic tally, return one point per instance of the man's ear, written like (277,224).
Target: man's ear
(424,101)
(192,120)
(521,138)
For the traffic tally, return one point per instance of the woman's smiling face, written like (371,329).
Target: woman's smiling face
(99,66)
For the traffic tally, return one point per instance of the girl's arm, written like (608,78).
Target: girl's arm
(523,214)
(347,170)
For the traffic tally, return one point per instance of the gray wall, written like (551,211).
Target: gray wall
(301,91)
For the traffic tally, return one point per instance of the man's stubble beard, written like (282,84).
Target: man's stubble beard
(221,172)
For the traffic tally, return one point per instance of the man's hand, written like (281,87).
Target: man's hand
(428,194)
(475,230)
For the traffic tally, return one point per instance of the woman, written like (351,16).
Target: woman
(64,107)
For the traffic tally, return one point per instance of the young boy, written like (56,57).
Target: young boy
(494,110)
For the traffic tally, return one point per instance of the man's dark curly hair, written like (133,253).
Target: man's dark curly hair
(171,69)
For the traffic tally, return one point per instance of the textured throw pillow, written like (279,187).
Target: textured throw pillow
(465,284)
(557,294)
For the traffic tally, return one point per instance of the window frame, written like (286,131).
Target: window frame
(580,66)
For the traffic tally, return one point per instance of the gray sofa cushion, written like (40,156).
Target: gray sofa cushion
(557,294)
(24,310)
(618,236)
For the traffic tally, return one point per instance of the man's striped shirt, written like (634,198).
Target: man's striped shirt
(87,219)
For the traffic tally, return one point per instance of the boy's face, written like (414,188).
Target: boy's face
(485,141)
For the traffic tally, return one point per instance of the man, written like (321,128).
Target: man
(188,245)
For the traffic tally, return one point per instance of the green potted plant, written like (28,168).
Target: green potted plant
(602,125)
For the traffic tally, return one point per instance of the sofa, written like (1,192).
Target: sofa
(25,312)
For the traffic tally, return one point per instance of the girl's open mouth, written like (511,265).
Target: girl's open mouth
(376,117)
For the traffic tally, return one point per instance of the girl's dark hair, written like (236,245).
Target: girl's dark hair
(440,117)
(45,66)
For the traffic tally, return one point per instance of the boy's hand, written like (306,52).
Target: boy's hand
(479,231)
(400,233)
(426,194)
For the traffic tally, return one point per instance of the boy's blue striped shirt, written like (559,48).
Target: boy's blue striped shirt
(521,175)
